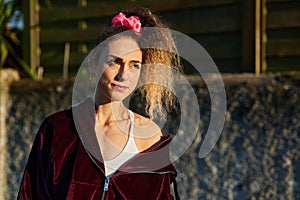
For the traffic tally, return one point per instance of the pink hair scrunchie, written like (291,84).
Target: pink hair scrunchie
(132,22)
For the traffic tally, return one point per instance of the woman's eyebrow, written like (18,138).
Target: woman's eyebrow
(121,59)
(113,56)
(136,61)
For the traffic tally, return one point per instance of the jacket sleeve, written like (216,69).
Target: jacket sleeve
(37,178)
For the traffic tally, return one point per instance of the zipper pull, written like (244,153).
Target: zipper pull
(105,188)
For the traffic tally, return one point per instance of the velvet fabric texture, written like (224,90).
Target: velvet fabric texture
(59,167)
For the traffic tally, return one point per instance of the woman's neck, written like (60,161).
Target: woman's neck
(111,112)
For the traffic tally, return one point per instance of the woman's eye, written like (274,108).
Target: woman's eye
(112,63)
(136,66)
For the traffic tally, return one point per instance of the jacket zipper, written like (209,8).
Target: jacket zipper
(105,188)
(106,182)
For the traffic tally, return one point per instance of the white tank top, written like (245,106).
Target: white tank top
(130,150)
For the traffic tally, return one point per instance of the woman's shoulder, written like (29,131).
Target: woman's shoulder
(67,115)
(57,124)
(59,117)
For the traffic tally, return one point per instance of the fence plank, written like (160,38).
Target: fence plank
(229,65)
(286,33)
(31,34)
(200,21)
(70,35)
(229,49)
(283,47)
(283,18)
(280,1)
(248,51)
(108,8)
(55,58)
(284,64)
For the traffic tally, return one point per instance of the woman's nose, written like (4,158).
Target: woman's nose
(122,73)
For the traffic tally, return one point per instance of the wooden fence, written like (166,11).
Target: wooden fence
(256,36)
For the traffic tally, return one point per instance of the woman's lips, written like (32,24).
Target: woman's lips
(119,87)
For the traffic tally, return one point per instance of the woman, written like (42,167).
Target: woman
(99,149)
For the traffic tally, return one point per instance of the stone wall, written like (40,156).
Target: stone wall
(6,77)
(256,157)
(32,102)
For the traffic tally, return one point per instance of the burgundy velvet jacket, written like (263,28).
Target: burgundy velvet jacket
(59,167)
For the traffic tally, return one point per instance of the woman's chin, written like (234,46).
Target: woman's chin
(119,97)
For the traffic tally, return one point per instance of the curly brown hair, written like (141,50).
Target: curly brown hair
(158,63)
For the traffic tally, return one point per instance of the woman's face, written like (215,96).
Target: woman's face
(122,62)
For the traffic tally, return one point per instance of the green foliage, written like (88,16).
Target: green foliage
(8,42)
